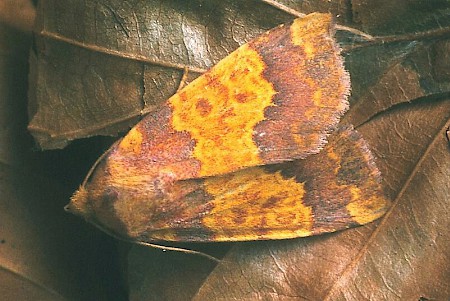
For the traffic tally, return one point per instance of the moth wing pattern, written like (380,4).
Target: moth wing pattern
(339,188)
(272,100)
(241,153)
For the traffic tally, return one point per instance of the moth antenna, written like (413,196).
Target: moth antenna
(357,32)
(91,170)
(187,251)
(156,246)
(298,14)
(284,8)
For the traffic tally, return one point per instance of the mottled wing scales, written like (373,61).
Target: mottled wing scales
(337,189)
(311,89)
(191,169)
(272,100)
(220,111)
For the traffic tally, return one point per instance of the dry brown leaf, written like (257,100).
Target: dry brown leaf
(402,257)
(91,80)
(397,89)
(45,254)
(99,65)
(13,66)
(151,272)
(19,14)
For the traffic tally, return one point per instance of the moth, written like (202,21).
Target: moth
(250,150)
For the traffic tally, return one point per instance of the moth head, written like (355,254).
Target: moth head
(118,197)
(95,201)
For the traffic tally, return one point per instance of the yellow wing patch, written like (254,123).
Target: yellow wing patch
(364,210)
(132,142)
(221,109)
(188,171)
(255,204)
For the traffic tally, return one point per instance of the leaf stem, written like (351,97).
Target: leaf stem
(369,39)
(121,54)
(424,35)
